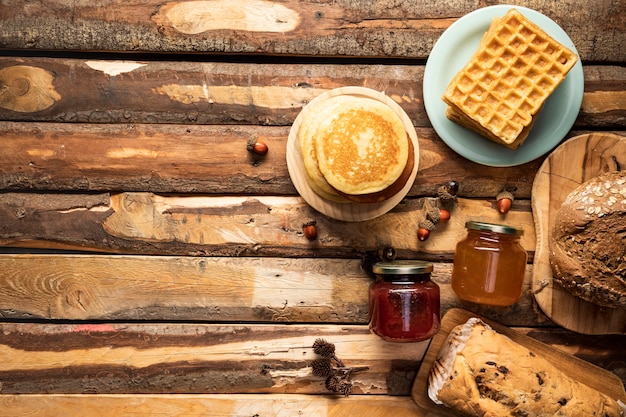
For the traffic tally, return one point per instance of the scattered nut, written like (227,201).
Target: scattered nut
(504,200)
(424,229)
(444,215)
(310,230)
(452,187)
(256,146)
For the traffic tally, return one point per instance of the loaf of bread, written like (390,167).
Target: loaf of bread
(588,241)
(480,372)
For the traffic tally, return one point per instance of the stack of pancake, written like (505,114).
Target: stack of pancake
(355,149)
(500,91)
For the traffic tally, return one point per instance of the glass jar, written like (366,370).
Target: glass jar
(404,302)
(489,264)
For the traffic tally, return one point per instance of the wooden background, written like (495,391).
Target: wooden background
(151,265)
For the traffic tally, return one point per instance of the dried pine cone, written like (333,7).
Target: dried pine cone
(324,348)
(345,388)
(332,383)
(322,367)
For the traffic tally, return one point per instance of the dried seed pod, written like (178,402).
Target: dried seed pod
(345,388)
(324,348)
(322,367)
(332,383)
(504,200)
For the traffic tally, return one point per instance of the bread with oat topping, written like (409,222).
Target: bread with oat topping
(588,241)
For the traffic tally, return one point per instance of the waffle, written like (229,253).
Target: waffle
(501,89)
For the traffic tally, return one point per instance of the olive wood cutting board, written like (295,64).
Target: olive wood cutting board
(592,375)
(572,163)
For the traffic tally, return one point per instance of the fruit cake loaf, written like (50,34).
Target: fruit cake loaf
(480,372)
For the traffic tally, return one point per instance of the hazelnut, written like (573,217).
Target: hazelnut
(256,146)
(444,215)
(310,230)
(424,228)
(504,200)
(452,187)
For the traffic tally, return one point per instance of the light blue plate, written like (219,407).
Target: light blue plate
(452,51)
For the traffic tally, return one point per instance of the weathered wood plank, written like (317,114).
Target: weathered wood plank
(105,91)
(232,226)
(243,405)
(203,159)
(195,358)
(111,358)
(605,351)
(313,290)
(188,92)
(345,28)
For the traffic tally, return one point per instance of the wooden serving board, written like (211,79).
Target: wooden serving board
(592,375)
(572,163)
(346,211)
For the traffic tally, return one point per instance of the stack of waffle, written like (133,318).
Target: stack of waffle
(500,91)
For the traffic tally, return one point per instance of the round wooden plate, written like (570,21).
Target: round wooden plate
(352,212)
(575,161)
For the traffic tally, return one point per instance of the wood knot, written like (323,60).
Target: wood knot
(26,89)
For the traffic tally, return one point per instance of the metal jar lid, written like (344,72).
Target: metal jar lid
(493,227)
(402,267)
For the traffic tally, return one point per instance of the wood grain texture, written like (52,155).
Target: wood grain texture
(206,405)
(571,164)
(145,223)
(177,358)
(198,289)
(188,92)
(344,29)
(203,159)
(124,127)
(196,358)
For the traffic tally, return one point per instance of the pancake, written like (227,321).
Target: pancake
(306,138)
(394,188)
(361,145)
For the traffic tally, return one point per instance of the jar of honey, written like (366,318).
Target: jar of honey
(404,302)
(489,264)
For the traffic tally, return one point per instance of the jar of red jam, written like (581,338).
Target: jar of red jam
(489,264)
(404,302)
